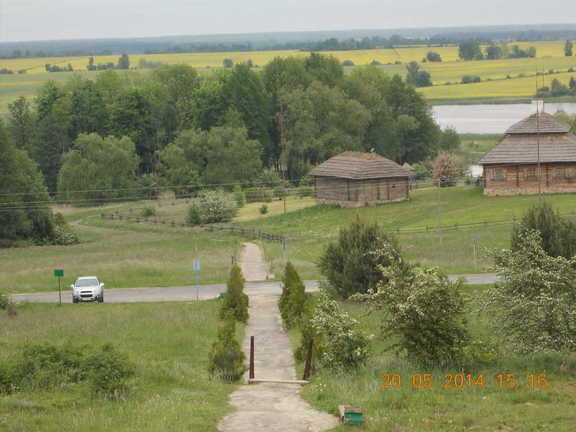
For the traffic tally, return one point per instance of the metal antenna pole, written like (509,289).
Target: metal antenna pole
(538,149)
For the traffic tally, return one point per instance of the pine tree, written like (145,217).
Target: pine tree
(292,302)
(235,301)
(226,359)
(558,234)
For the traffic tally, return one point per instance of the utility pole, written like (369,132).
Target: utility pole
(438,211)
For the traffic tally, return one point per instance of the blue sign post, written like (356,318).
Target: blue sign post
(196,268)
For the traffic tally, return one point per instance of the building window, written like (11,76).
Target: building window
(570,172)
(498,174)
(560,173)
(530,173)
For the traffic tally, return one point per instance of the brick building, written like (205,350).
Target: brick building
(538,154)
(354,179)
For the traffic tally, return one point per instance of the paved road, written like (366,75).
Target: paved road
(152,295)
(205,292)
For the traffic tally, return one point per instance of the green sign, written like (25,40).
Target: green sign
(59,273)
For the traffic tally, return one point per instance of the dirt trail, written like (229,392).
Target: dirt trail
(269,407)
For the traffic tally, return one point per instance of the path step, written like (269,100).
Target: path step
(276,381)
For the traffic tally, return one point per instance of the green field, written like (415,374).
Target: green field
(123,255)
(308,228)
(457,250)
(167,342)
(488,408)
(450,70)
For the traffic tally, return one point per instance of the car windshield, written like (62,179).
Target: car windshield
(86,282)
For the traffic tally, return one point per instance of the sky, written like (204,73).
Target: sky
(22,20)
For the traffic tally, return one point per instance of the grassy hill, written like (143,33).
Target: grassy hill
(123,255)
(471,407)
(168,343)
(415,223)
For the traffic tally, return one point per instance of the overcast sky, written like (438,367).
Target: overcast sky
(73,19)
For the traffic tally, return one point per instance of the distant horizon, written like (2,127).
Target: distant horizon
(62,20)
(288,32)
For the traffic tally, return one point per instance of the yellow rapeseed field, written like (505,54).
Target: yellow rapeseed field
(506,88)
(550,55)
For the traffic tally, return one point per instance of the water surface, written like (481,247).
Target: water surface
(490,119)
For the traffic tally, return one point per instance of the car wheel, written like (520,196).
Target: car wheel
(74,299)
(102,298)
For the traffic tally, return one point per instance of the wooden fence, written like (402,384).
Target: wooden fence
(243,231)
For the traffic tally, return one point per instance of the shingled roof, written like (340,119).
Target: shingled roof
(359,166)
(540,133)
(539,123)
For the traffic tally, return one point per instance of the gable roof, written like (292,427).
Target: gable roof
(359,166)
(523,149)
(539,123)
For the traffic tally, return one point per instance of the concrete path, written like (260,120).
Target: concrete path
(204,292)
(269,407)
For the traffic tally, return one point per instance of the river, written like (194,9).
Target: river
(490,119)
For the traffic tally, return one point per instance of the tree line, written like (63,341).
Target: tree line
(472,50)
(226,126)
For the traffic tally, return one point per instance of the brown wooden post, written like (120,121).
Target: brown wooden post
(251,357)
(308,365)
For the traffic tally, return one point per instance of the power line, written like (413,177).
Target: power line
(289,191)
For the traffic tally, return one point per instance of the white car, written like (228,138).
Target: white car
(87,288)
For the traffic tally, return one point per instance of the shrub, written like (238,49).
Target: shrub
(349,264)
(259,195)
(269,178)
(347,63)
(239,196)
(292,302)
(109,371)
(305,191)
(235,301)
(377,63)
(212,207)
(226,359)
(424,312)
(63,234)
(4,301)
(446,169)
(148,212)
(534,303)
(432,56)
(280,192)
(6,379)
(263,209)
(48,366)
(468,79)
(343,345)
(558,235)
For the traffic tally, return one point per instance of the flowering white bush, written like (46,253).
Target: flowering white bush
(424,311)
(536,301)
(212,207)
(343,344)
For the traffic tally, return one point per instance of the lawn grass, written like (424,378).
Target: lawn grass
(456,251)
(474,146)
(167,342)
(477,408)
(123,255)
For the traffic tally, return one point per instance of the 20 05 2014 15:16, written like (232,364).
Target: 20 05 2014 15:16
(460,380)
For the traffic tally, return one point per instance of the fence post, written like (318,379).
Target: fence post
(251,376)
